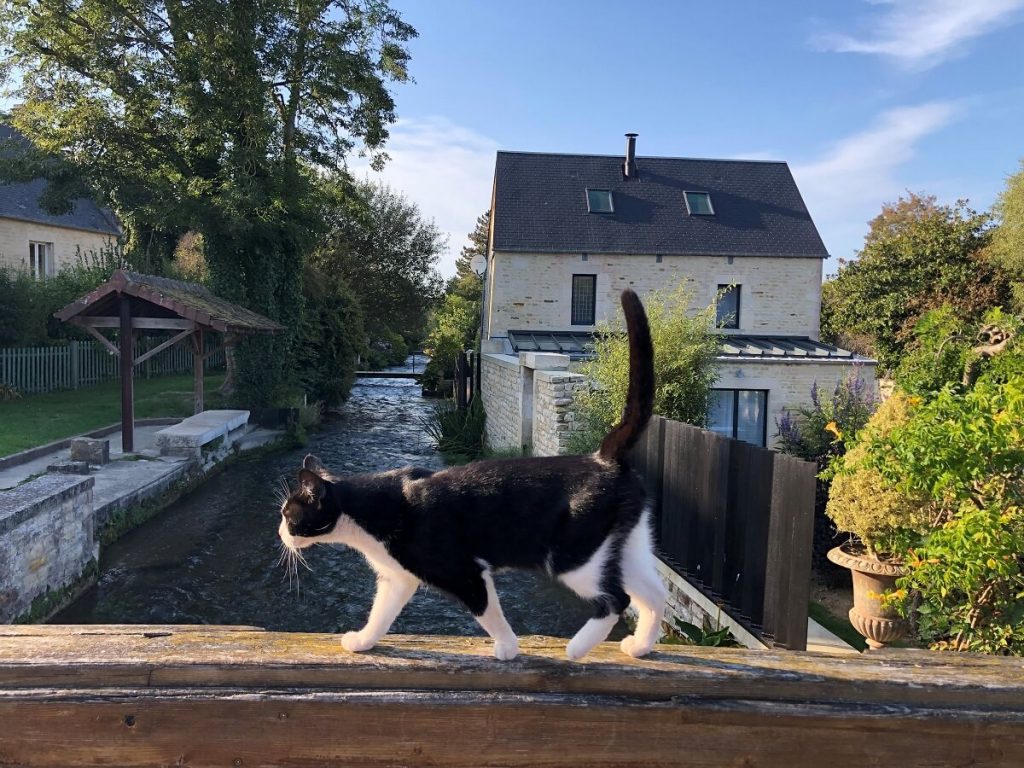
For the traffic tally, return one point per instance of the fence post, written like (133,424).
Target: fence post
(73,363)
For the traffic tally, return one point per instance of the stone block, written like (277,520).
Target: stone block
(70,468)
(90,450)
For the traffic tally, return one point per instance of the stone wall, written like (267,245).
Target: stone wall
(554,419)
(533,291)
(46,539)
(15,236)
(501,389)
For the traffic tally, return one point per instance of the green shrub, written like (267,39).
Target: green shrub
(886,518)
(453,328)
(459,434)
(684,370)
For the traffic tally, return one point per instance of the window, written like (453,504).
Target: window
(599,201)
(40,260)
(727,310)
(740,414)
(698,204)
(584,296)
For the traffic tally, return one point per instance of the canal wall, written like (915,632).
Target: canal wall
(47,540)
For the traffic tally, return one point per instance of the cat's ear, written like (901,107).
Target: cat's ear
(312,483)
(313,464)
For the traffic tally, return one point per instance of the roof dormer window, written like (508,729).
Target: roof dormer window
(698,204)
(599,201)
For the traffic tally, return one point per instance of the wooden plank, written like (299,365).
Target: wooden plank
(227,696)
(787,575)
(164,345)
(125,344)
(754,500)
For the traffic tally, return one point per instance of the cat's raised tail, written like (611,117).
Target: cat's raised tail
(640,395)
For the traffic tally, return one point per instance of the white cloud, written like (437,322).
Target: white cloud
(447,170)
(846,187)
(923,33)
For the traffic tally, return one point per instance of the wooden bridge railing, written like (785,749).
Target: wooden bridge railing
(230,696)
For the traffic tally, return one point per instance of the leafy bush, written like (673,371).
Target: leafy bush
(684,370)
(453,328)
(384,348)
(964,451)
(886,518)
(459,433)
(7,392)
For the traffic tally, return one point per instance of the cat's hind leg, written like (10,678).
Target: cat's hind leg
(596,580)
(642,582)
(394,590)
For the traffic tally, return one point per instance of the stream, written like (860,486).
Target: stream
(212,556)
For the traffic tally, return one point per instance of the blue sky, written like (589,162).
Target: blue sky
(863,99)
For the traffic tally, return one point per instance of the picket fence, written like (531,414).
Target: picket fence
(76,364)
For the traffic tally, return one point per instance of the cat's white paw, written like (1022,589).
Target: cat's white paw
(633,647)
(506,651)
(356,642)
(576,650)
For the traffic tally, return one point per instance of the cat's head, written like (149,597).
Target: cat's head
(307,514)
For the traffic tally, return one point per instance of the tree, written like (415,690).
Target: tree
(1008,239)
(917,255)
(386,251)
(467,283)
(208,116)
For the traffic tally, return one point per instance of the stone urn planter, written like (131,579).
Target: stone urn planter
(871,578)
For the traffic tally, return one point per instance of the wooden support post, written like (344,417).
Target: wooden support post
(198,362)
(126,354)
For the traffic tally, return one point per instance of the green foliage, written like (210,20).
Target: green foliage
(685,633)
(817,433)
(331,338)
(453,328)
(466,282)
(27,304)
(384,248)
(937,353)
(459,434)
(885,517)
(684,371)
(917,256)
(208,117)
(7,392)
(1008,239)
(964,452)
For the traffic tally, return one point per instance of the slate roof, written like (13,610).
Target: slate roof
(20,200)
(580,344)
(161,296)
(540,205)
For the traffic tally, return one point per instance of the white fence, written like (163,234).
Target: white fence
(75,364)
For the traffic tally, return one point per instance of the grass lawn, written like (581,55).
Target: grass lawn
(38,419)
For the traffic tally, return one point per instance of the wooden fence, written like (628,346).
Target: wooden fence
(76,364)
(735,520)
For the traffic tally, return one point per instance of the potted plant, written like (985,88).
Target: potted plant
(885,520)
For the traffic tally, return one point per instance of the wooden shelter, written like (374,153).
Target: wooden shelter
(132,303)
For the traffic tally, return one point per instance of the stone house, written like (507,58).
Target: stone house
(569,232)
(40,242)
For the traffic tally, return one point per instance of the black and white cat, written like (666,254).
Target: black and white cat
(581,519)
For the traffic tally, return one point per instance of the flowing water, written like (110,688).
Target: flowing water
(212,557)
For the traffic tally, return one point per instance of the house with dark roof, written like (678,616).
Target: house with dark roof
(570,232)
(35,240)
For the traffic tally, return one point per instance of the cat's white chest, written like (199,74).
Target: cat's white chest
(353,535)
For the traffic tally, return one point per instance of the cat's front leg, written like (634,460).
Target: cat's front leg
(394,590)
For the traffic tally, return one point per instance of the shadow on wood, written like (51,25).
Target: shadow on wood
(238,696)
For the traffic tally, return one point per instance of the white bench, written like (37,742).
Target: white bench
(188,437)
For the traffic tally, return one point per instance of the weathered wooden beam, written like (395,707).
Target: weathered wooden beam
(233,696)
(138,323)
(160,348)
(104,341)
(197,370)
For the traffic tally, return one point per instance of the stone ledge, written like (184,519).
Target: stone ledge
(504,361)
(24,501)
